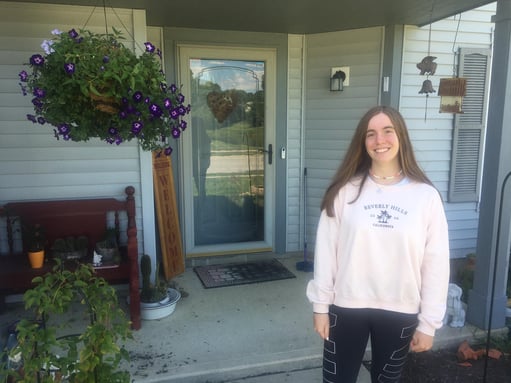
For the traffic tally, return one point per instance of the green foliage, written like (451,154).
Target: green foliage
(91,85)
(34,237)
(94,355)
(151,292)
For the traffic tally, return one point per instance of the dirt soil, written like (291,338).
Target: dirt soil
(442,366)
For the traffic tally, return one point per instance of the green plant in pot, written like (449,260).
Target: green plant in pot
(151,292)
(49,352)
(108,247)
(91,85)
(34,240)
(157,300)
(70,247)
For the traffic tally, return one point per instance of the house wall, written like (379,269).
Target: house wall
(431,131)
(331,117)
(33,164)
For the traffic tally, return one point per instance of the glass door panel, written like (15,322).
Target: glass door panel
(229,156)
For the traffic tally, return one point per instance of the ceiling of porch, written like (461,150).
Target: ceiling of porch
(287,16)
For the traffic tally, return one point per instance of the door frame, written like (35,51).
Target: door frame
(269,56)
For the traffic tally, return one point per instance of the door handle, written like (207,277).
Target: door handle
(270,153)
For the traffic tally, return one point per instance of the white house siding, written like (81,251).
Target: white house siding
(331,117)
(33,164)
(432,137)
(295,142)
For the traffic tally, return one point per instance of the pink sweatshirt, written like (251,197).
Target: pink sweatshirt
(389,250)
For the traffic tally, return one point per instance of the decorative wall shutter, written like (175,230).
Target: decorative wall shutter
(469,127)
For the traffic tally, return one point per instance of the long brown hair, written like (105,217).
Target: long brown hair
(357,162)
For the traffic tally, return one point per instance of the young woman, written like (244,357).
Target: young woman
(381,267)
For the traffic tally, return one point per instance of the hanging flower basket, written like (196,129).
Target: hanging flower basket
(89,85)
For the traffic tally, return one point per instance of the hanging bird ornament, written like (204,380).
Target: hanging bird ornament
(427,67)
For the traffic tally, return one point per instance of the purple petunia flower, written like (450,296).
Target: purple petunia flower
(168,151)
(37,60)
(112,130)
(69,68)
(138,96)
(66,137)
(167,103)
(124,100)
(118,140)
(123,115)
(46,45)
(158,52)
(173,88)
(73,34)
(182,110)
(63,129)
(137,127)
(180,98)
(155,110)
(23,76)
(32,118)
(147,100)
(41,120)
(106,59)
(183,124)
(39,92)
(174,113)
(149,47)
(176,132)
(37,102)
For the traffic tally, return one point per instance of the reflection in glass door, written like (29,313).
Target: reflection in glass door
(229,154)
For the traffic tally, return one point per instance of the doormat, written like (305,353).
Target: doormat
(242,273)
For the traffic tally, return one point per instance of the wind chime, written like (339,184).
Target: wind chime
(427,67)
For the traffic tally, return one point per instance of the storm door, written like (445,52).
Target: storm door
(228,153)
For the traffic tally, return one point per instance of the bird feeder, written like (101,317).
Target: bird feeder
(452,91)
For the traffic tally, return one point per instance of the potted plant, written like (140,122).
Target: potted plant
(35,240)
(90,85)
(157,300)
(108,247)
(48,353)
(70,247)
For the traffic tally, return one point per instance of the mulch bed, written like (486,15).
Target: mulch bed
(442,366)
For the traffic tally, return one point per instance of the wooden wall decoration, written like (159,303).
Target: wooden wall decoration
(168,218)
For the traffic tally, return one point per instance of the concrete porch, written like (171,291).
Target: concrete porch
(251,333)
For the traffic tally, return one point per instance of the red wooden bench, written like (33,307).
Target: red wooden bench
(63,218)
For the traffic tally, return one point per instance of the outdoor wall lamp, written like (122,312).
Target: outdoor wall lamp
(339,78)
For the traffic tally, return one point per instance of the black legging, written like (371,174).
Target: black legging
(391,334)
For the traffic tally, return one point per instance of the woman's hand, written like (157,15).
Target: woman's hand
(421,342)
(322,325)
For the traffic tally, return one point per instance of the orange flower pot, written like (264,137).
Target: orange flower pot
(36,259)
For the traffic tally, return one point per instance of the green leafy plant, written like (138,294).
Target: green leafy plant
(48,354)
(151,292)
(70,247)
(91,85)
(34,237)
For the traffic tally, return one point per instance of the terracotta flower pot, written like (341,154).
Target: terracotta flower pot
(36,259)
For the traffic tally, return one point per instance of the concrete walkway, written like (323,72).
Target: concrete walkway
(251,333)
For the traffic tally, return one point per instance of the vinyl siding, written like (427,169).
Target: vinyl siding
(331,117)
(431,132)
(33,164)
